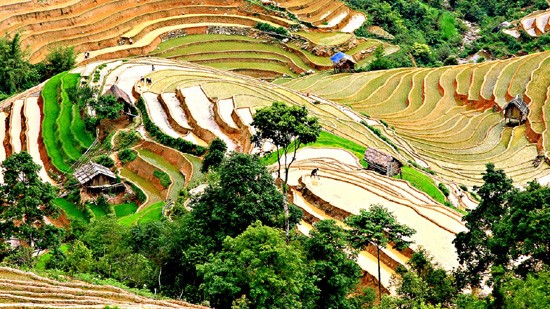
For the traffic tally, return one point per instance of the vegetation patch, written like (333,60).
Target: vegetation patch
(379,133)
(127,155)
(122,210)
(65,136)
(176,143)
(151,213)
(164,178)
(421,182)
(71,210)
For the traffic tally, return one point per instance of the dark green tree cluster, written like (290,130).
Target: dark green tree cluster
(215,155)
(17,74)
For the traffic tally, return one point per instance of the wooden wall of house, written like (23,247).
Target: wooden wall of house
(100,180)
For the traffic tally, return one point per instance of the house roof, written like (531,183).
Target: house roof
(90,170)
(520,104)
(118,93)
(336,58)
(378,157)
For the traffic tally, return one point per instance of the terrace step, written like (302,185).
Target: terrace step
(32,114)
(15,126)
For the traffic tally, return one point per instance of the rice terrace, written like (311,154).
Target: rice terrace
(274,154)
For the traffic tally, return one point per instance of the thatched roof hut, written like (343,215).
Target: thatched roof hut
(343,62)
(119,94)
(95,176)
(382,162)
(516,112)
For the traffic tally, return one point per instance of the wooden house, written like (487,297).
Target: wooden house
(96,177)
(119,94)
(342,62)
(516,112)
(382,162)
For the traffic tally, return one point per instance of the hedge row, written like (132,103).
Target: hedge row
(165,139)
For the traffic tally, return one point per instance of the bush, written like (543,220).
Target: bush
(269,28)
(215,155)
(127,139)
(90,215)
(139,195)
(127,155)
(105,160)
(176,143)
(444,189)
(164,178)
(463,187)
(60,59)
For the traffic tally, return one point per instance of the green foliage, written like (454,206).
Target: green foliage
(139,195)
(215,155)
(244,194)
(443,188)
(378,227)
(474,254)
(379,133)
(164,178)
(269,28)
(105,160)
(531,292)
(127,155)
(176,143)
(333,264)
(59,59)
(259,264)
(16,73)
(25,202)
(107,107)
(65,137)
(126,139)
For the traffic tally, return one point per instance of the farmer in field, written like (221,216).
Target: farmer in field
(314,173)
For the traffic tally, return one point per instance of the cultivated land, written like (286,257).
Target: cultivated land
(209,70)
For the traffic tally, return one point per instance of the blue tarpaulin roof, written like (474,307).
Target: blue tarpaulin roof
(339,56)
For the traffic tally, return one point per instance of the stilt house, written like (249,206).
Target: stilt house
(516,112)
(382,162)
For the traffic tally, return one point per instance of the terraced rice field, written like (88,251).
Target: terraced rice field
(325,14)
(537,23)
(88,24)
(19,289)
(446,114)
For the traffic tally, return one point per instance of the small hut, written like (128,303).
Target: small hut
(516,111)
(96,177)
(343,62)
(382,163)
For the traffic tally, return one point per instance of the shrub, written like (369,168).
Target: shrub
(139,195)
(164,178)
(463,187)
(90,215)
(176,143)
(269,28)
(60,59)
(215,155)
(105,160)
(127,139)
(444,189)
(127,155)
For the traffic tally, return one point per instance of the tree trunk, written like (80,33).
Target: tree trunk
(160,273)
(287,216)
(379,279)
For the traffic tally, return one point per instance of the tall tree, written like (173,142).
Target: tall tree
(25,203)
(378,227)
(60,59)
(261,266)
(215,155)
(16,73)
(473,247)
(288,128)
(244,193)
(333,264)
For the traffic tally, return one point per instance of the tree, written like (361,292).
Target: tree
(16,73)
(60,59)
(25,202)
(244,194)
(215,155)
(288,128)
(107,107)
(473,249)
(378,227)
(333,264)
(260,265)
(531,292)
